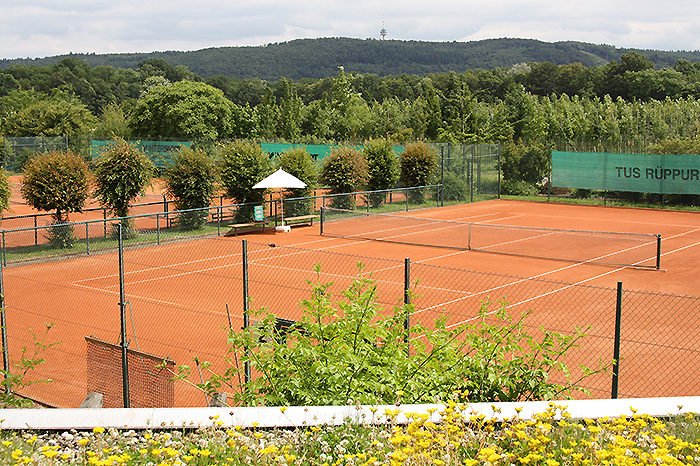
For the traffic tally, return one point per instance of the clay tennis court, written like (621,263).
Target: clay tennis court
(178,292)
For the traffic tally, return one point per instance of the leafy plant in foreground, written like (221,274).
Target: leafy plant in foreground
(16,378)
(350,350)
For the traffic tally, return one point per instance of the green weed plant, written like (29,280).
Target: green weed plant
(348,350)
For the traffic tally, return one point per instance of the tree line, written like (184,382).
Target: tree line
(319,58)
(621,107)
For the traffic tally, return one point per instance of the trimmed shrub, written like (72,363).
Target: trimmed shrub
(518,188)
(418,165)
(298,162)
(243,165)
(382,168)
(121,174)
(190,180)
(528,163)
(344,171)
(454,188)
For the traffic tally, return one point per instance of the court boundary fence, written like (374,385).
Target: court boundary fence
(30,242)
(616,301)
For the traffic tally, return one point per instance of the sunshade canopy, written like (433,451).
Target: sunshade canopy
(280,179)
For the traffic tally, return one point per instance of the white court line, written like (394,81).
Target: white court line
(153,300)
(159,267)
(581,281)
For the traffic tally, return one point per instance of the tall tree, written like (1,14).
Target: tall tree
(289,126)
(183,110)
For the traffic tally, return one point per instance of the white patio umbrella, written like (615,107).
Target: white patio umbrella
(280,180)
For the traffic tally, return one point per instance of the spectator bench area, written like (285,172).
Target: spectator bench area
(300,220)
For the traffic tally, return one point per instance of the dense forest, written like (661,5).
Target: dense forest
(320,58)
(630,105)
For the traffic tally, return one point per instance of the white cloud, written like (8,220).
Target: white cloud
(35,28)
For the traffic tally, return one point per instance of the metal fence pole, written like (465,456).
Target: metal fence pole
(36,232)
(246,316)
(616,350)
(499,172)
(442,171)
(158,229)
(3,327)
(87,238)
(122,310)
(407,301)
(4,255)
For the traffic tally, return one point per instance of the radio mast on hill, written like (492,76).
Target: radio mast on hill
(383,31)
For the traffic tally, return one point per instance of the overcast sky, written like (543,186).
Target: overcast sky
(40,28)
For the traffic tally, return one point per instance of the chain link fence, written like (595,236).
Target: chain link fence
(177,298)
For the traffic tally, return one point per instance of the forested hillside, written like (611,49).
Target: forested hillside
(626,105)
(320,58)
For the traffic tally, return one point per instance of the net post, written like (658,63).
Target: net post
(122,312)
(469,237)
(616,350)
(323,218)
(407,301)
(658,251)
(246,316)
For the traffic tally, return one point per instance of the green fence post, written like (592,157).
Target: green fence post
(246,317)
(36,232)
(87,238)
(122,312)
(4,256)
(323,217)
(616,350)
(158,229)
(407,301)
(3,327)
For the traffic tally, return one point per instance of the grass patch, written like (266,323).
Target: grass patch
(102,243)
(597,200)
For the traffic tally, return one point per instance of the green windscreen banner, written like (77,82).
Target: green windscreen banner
(643,173)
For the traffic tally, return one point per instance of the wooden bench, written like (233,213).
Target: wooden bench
(236,226)
(300,220)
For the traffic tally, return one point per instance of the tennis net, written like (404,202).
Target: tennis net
(601,247)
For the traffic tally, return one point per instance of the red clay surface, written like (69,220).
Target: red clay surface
(177,294)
